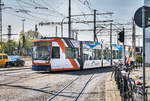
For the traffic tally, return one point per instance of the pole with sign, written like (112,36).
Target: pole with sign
(141,18)
(143,26)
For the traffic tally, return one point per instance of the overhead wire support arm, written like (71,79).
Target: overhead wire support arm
(59,23)
(109,13)
(97,29)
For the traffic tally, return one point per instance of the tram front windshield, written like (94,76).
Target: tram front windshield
(41,52)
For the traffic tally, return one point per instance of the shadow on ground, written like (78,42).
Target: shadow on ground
(82,72)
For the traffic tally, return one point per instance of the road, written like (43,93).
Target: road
(28,85)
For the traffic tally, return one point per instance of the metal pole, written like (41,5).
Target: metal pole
(23,33)
(133,39)
(1,21)
(36,33)
(102,56)
(62,22)
(94,25)
(143,25)
(23,26)
(62,29)
(69,23)
(76,36)
(111,43)
(124,52)
(56,32)
(73,33)
(9,36)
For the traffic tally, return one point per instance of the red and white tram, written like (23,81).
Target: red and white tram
(59,54)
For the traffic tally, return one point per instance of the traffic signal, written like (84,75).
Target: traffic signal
(24,40)
(121,36)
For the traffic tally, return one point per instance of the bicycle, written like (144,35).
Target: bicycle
(139,93)
(125,84)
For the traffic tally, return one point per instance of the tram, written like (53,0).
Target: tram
(59,54)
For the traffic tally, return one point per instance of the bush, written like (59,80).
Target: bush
(139,58)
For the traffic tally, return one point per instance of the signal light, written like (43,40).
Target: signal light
(24,40)
(121,36)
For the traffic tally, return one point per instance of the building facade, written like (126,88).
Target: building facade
(147,39)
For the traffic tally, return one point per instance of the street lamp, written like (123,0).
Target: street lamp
(23,36)
(102,52)
(23,20)
(62,22)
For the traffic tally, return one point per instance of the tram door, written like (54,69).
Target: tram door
(55,56)
(58,58)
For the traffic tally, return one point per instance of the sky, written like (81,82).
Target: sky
(35,11)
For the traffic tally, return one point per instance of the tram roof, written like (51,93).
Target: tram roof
(50,38)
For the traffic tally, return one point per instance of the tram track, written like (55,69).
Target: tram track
(52,97)
(61,86)
(22,79)
(84,87)
(13,69)
(70,84)
(20,76)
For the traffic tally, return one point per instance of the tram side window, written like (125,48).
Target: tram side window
(107,54)
(72,53)
(115,53)
(119,56)
(55,52)
(98,54)
(0,57)
(91,54)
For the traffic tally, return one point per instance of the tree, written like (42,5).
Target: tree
(26,41)
(22,47)
(9,47)
(30,35)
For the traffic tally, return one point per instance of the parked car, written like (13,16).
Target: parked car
(16,61)
(3,60)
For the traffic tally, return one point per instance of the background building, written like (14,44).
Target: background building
(147,39)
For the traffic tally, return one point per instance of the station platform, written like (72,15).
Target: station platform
(111,91)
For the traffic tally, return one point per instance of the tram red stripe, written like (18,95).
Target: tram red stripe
(61,44)
(74,64)
(63,47)
(62,69)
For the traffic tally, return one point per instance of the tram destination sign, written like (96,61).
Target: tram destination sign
(43,43)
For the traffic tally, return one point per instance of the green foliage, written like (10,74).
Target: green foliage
(139,58)
(12,46)
(30,36)
(17,48)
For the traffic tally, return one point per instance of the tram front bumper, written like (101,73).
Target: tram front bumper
(41,67)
